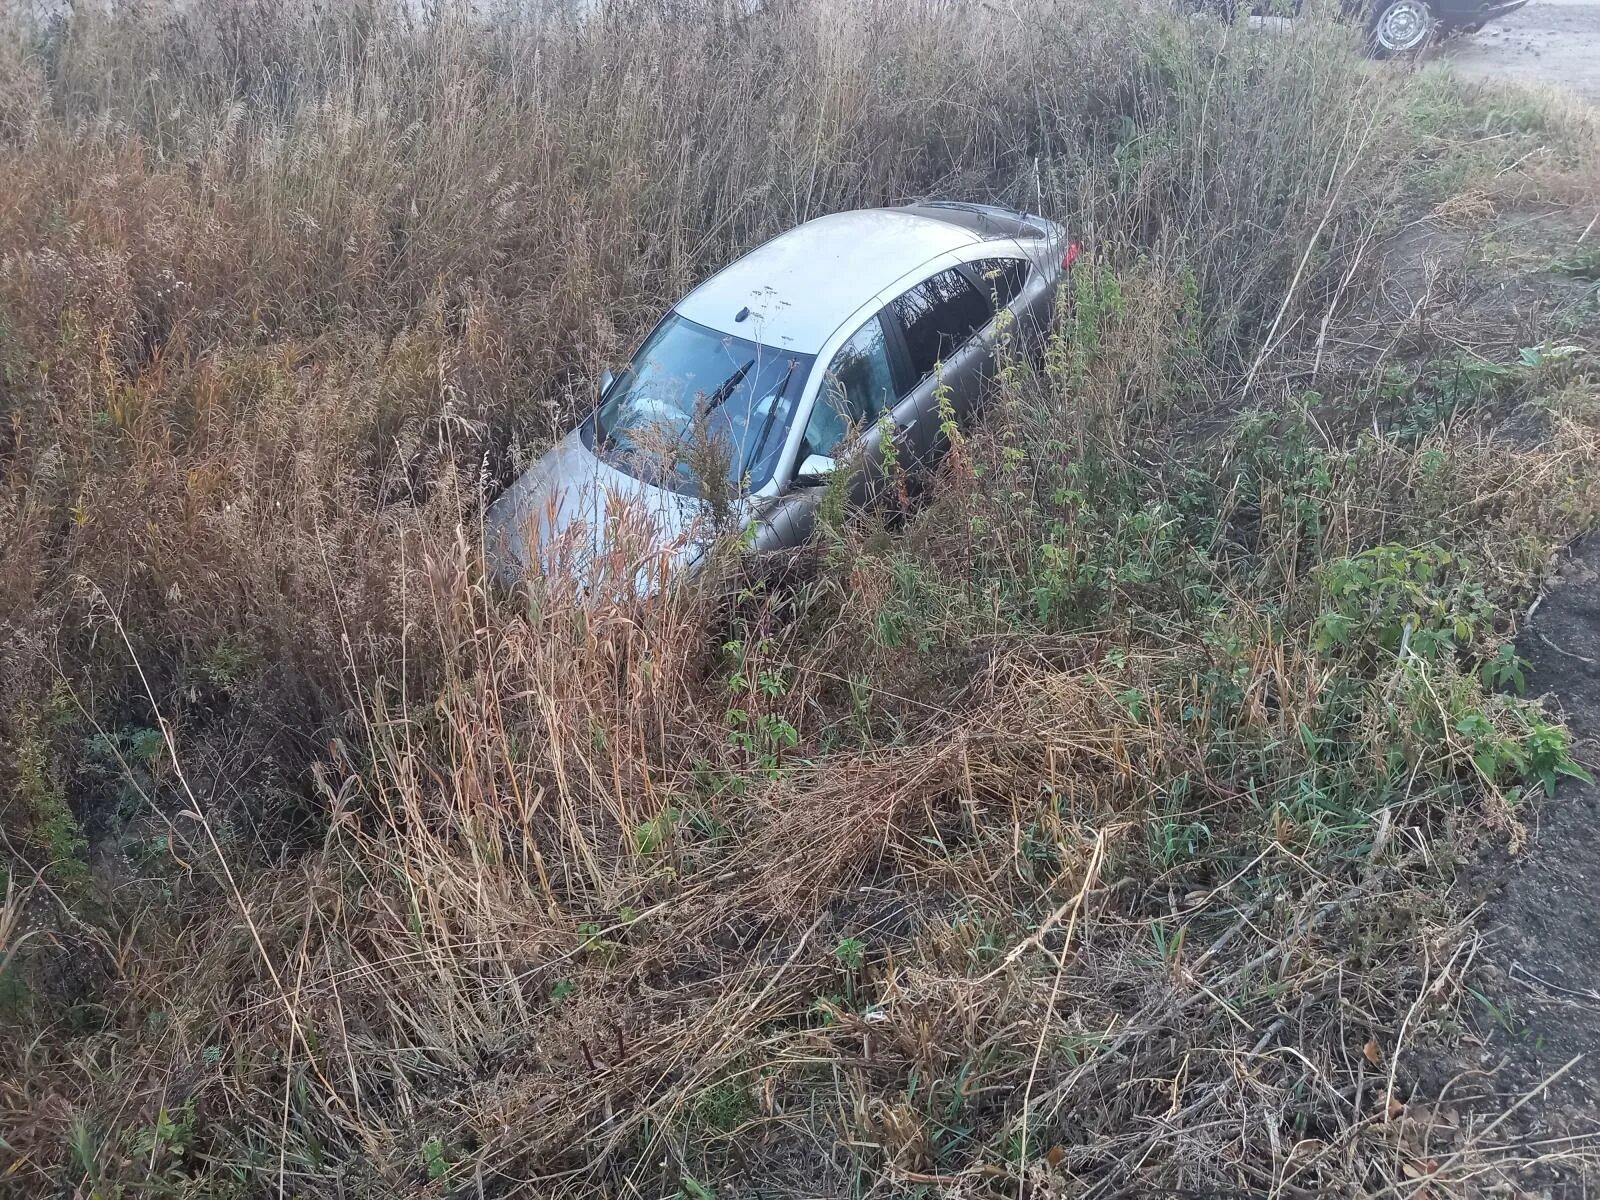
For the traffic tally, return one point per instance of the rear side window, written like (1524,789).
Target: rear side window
(1002,279)
(938,316)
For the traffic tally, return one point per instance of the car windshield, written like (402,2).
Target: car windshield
(695,400)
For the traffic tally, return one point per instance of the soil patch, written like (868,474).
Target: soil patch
(1539,983)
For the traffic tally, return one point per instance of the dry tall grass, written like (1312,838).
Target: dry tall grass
(1078,835)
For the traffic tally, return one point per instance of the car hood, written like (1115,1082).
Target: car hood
(573,513)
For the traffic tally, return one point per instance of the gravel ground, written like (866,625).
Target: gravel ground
(1551,42)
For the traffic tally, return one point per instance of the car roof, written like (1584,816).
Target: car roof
(989,221)
(803,284)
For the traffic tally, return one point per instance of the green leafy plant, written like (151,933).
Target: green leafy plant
(1504,670)
(1420,600)
(1584,264)
(1135,702)
(1173,840)
(1522,748)
(594,942)
(724,1105)
(1169,944)
(434,1159)
(166,1143)
(850,953)
(652,835)
(765,737)
(51,822)
(746,676)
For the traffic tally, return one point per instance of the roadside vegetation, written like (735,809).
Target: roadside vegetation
(1083,823)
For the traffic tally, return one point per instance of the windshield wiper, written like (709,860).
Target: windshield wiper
(727,387)
(772,413)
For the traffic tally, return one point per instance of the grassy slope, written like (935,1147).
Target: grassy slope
(1089,828)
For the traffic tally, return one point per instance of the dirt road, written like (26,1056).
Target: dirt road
(1553,42)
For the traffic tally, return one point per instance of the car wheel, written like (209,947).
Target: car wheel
(1399,27)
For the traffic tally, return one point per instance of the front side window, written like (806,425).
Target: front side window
(939,315)
(695,400)
(856,388)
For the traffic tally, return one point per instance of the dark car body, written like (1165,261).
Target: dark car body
(1471,14)
(1393,26)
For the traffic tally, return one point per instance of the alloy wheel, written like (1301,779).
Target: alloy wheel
(1401,27)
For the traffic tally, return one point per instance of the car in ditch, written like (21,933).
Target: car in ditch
(845,344)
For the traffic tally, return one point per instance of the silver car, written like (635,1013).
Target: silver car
(785,368)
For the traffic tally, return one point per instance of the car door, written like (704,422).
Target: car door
(941,323)
(1013,285)
(858,385)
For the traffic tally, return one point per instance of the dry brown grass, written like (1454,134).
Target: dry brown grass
(1040,842)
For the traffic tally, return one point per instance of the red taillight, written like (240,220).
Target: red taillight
(1071,256)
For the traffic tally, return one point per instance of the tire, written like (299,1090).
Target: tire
(1399,28)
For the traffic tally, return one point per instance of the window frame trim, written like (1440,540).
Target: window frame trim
(899,348)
